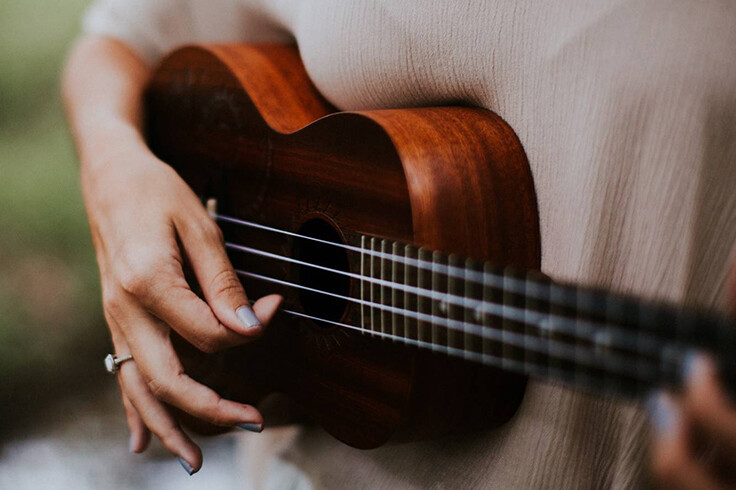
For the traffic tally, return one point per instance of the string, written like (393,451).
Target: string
(497,281)
(559,350)
(582,380)
(539,290)
(614,336)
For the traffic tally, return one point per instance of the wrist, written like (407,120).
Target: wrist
(103,143)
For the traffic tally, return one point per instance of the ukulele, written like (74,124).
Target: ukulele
(406,245)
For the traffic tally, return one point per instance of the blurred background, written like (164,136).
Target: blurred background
(61,421)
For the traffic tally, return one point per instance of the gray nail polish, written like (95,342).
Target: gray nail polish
(187,467)
(688,365)
(663,413)
(251,427)
(248,317)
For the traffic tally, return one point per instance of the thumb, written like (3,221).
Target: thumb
(221,286)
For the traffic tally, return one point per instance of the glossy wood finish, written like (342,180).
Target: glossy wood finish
(245,125)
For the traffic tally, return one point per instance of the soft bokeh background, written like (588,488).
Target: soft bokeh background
(61,424)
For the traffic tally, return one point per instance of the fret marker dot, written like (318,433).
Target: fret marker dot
(478,315)
(443,307)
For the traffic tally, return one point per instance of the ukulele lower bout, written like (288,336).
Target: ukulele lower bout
(340,213)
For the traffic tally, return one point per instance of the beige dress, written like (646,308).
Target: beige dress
(627,111)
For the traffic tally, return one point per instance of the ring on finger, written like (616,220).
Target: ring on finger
(113,362)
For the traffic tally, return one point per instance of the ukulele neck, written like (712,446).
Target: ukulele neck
(523,322)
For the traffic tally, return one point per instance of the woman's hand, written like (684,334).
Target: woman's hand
(694,444)
(146,223)
(695,436)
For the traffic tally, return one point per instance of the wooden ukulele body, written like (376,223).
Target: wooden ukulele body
(244,124)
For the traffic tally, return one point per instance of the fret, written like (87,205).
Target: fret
(583,372)
(454,311)
(472,290)
(561,305)
(363,284)
(385,292)
(374,288)
(591,309)
(424,281)
(614,382)
(492,296)
(510,352)
(411,278)
(397,296)
(440,283)
(537,304)
(649,318)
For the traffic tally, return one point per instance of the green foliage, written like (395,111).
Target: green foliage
(52,333)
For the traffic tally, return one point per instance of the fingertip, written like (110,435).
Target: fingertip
(266,307)
(664,415)
(248,319)
(252,414)
(139,441)
(698,369)
(191,460)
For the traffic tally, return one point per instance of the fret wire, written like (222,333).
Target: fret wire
(533,303)
(424,281)
(585,382)
(472,290)
(439,285)
(411,278)
(362,282)
(455,286)
(397,300)
(558,349)
(645,344)
(491,295)
(385,292)
(373,285)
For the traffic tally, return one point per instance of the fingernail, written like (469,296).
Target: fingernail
(663,412)
(248,317)
(131,444)
(187,467)
(694,367)
(251,427)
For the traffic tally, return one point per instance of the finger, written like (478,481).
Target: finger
(157,282)
(266,307)
(165,377)
(171,300)
(220,284)
(708,406)
(673,462)
(158,419)
(139,433)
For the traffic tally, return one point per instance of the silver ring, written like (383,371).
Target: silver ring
(112,362)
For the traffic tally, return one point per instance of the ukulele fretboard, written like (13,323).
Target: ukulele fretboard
(521,321)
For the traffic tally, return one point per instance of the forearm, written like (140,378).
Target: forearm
(102,88)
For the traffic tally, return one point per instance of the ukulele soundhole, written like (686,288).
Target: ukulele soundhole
(326,286)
